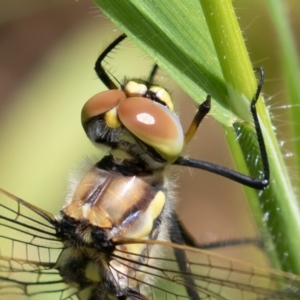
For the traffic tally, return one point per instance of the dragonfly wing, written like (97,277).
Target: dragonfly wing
(189,273)
(29,249)
(27,234)
(46,285)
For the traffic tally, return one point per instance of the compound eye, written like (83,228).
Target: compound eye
(162,95)
(101,103)
(154,124)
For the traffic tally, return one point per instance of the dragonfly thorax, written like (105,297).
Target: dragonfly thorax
(112,201)
(119,199)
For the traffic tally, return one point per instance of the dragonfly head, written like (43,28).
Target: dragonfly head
(139,120)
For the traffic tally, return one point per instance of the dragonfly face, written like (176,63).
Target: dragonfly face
(113,237)
(131,121)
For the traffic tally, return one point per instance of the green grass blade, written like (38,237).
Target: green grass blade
(204,52)
(278,203)
(290,67)
(179,40)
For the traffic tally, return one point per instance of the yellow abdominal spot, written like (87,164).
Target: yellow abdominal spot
(92,272)
(144,225)
(135,249)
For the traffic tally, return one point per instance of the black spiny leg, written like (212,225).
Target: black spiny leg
(255,183)
(102,74)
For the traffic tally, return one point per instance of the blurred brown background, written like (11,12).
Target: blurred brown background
(47,54)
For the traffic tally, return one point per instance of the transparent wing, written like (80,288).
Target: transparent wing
(29,249)
(190,273)
(34,285)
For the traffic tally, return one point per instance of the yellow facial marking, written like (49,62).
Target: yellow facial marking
(163,95)
(133,88)
(111,118)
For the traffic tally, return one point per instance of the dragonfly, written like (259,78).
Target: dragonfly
(116,236)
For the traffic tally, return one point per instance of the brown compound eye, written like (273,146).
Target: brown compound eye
(101,103)
(154,124)
(102,106)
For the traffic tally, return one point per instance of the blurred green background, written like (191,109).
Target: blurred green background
(47,54)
